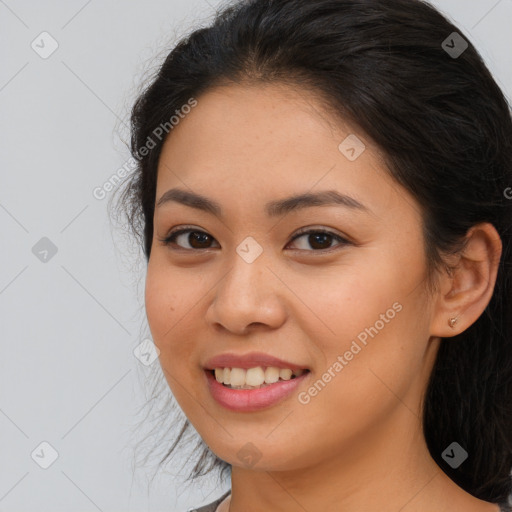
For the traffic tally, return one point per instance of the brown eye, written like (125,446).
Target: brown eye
(196,239)
(320,240)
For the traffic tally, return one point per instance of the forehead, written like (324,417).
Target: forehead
(262,142)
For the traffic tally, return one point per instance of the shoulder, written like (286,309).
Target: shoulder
(211,507)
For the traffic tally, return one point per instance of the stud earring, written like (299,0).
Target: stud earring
(452,321)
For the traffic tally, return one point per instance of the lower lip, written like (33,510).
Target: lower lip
(249,400)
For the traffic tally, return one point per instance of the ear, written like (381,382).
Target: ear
(465,292)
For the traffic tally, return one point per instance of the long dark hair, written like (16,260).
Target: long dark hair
(395,70)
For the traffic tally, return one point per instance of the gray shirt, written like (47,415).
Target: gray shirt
(211,507)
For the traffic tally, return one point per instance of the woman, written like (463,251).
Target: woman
(323,193)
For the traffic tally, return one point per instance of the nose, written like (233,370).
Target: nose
(249,296)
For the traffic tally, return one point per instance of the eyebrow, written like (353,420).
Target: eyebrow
(273,208)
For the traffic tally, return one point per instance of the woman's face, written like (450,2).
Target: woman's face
(352,311)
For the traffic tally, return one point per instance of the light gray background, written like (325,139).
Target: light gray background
(70,324)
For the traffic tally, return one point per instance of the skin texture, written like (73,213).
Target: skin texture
(357,445)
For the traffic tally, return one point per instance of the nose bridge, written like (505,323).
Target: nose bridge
(249,274)
(248,291)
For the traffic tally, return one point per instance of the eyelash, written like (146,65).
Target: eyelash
(171,237)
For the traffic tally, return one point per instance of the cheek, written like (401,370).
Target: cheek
(165,303)
(171,302)
(370,335)
(158,304)
(361,386)
(345,304)
(166,312)
(382,367)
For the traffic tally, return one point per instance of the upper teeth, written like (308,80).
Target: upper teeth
(254,376)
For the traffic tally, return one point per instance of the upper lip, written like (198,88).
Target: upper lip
(250,360)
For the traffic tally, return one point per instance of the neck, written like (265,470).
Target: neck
(386,469)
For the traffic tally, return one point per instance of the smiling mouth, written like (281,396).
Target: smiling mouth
(254,378)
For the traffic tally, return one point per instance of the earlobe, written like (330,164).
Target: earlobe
(466,290)
(453,321)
